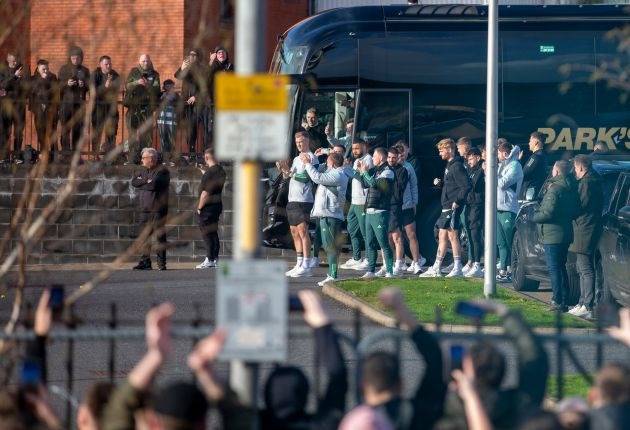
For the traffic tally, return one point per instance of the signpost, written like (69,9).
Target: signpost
(251,120)
(251,303)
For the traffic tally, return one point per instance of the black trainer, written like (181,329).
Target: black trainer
(143,265)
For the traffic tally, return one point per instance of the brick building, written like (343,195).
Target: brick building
(124,29)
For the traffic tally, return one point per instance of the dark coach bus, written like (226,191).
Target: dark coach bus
(418,73)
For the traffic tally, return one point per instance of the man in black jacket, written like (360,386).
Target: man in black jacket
(475,212)
(13,92)
(287,389)
(43,103)
(106,82)
(74,79)
(535,170)
(455,188)
(401,180)
(194,77)
(381,381)
(152,184)
(219,62)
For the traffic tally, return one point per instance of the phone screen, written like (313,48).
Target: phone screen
(56,298)
(456,356)
(31,373)
(469,310)
(295,304)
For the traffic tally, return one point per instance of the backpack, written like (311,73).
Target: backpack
(30,155)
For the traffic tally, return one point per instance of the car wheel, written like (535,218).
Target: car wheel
(520,281)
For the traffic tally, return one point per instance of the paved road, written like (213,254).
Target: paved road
(192,292)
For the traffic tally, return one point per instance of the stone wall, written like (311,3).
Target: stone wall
(99,223)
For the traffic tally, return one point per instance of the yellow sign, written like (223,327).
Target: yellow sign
(256,92)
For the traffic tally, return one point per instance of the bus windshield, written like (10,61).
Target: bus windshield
(288,60)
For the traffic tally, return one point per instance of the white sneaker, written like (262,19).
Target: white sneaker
(368,275)
(381,272)
(206,264)
(400,265)
(389,275)
(414,268)
(422,262)
(301,272)
(350,264)
(431,272)
(313,262)
(455,273)
(475,272)
(448,268)
(400,270)
(327,280)
(467,267)
(362,266)
(290,272)
(574,309)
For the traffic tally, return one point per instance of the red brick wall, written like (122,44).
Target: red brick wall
(15,29)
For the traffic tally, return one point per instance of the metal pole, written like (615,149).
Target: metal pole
(489,256)
(250,58)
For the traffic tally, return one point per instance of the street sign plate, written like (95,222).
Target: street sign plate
(251,304)
(252,120)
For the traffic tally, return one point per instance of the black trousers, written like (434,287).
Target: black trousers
(192,117)
(71,116)
(104,121)
(209,226)
(155,222)
(12,115)
(45,126)
(474,221)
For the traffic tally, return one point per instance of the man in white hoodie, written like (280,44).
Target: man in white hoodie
(356,212)
(509,182)
(330,199)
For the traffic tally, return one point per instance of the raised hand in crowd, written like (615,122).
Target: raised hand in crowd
(43,315)
(476,415)
(328,130)
(201,361)
(39,404)
(314,313)
(392,298)
(622,333)
(213,57)
(305,158)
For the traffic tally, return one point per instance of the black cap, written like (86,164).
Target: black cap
(182,401)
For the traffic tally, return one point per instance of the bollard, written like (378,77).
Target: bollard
(113,323)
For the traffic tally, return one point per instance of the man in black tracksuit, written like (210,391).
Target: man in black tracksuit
(105,114)
(194,77)
(152,184)
(73,78)
(13,93)
(475,211)
(455,188)
(535,170)
(209,207)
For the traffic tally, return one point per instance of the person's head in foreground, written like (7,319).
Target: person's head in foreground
(365,418)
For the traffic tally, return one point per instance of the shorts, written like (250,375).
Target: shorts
(395,220)
(450,219)
(408,217)
(299,212)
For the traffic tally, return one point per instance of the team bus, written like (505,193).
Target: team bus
(418,73)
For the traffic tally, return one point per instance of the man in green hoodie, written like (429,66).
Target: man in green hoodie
(554,216)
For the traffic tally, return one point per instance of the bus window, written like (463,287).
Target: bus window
(332,109)
(611,63)
(383,117)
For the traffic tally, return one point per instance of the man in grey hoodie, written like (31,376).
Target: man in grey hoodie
(509,182)
(330,199)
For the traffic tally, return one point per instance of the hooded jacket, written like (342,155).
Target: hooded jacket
(456,183)
(509,182)
(74,94)
(587,226)
(379,180)
(410,196)
(556,211)
(216,66)
(330,196)
(286,391)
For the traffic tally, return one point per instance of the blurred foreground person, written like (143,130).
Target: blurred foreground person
(610,398)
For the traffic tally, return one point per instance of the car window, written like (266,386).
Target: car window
(621,197)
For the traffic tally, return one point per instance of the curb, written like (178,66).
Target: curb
(382,318)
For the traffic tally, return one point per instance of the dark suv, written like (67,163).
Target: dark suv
(528,260)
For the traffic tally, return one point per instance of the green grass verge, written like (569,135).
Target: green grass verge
(424,295)
(573,385)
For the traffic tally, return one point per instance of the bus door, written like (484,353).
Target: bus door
(382,116)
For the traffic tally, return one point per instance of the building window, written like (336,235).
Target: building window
(227,11)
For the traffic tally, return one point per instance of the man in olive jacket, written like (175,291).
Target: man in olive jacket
(554,216)
(587,227)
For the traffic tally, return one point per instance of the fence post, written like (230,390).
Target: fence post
(113,323)
(599,348)
(196,321)
(559,364)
